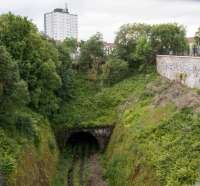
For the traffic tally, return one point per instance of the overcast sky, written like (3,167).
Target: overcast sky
(106,16)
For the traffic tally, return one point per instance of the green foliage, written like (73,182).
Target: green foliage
(37,60)
(28,78)
(143,53)
(7,165)
(114,70)
(92,106)
(138,44)
(8,149)
(67,50)
(92,53)
(14,91)
(14,31)
(62,169)
(127,39)
(154,145)
(169,39)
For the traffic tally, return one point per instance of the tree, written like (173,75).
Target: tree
(37,59)
(67,51)
(13,90)
(127,39)
(14,32)
(143,53)
(138,44)
(169,39)
(92,53)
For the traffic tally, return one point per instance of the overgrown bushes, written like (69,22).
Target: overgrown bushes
(43,80)
(114,70)
(154,144)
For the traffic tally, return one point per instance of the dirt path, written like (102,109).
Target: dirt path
(96,176)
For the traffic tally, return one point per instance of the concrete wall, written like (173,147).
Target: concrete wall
(185,69)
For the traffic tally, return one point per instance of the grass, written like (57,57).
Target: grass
(65,160)
(154,145)
(93,106)
(34,150)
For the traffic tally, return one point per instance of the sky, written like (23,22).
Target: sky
(106,16)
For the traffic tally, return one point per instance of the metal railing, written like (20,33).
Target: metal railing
(194,51)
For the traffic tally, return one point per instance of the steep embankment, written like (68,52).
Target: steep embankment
(94,105)
(156,139)
(28,158)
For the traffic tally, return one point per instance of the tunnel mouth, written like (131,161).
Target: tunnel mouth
(83,140)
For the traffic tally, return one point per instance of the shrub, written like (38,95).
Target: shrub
(7,164)
(114,71)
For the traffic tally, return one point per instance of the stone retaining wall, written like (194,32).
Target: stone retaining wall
(185,69)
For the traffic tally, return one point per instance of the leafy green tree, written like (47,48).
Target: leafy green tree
(67,52)
(140,43)
(143,53)
(127,39)
(13,91)
(92,53)
(169,39)
(37,59)
(14,31)
(67,49)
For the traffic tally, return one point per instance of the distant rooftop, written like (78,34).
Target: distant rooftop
(108,44)
(190,39)
(61,10)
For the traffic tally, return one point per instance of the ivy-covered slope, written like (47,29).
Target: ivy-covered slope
(157,129)
(96,106)
(156,141)
(29,155)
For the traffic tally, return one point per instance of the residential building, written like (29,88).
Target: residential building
(108,47)
(60,24)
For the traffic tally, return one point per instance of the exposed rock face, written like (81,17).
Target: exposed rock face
(165,91)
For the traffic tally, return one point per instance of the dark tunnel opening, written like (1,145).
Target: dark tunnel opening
(83,146)
(83,149)
(83,140)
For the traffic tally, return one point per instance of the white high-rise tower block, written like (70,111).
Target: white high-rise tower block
(60,24)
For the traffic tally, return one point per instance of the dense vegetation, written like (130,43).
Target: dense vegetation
(46,86)
(156,140)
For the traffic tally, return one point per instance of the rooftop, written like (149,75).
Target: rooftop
(61,10)
(190,39)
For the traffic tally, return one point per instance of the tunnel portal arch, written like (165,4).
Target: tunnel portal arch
(101,135)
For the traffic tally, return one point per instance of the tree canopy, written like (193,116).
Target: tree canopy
(40,63)
(169,39)
(138,44)
(92,52)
